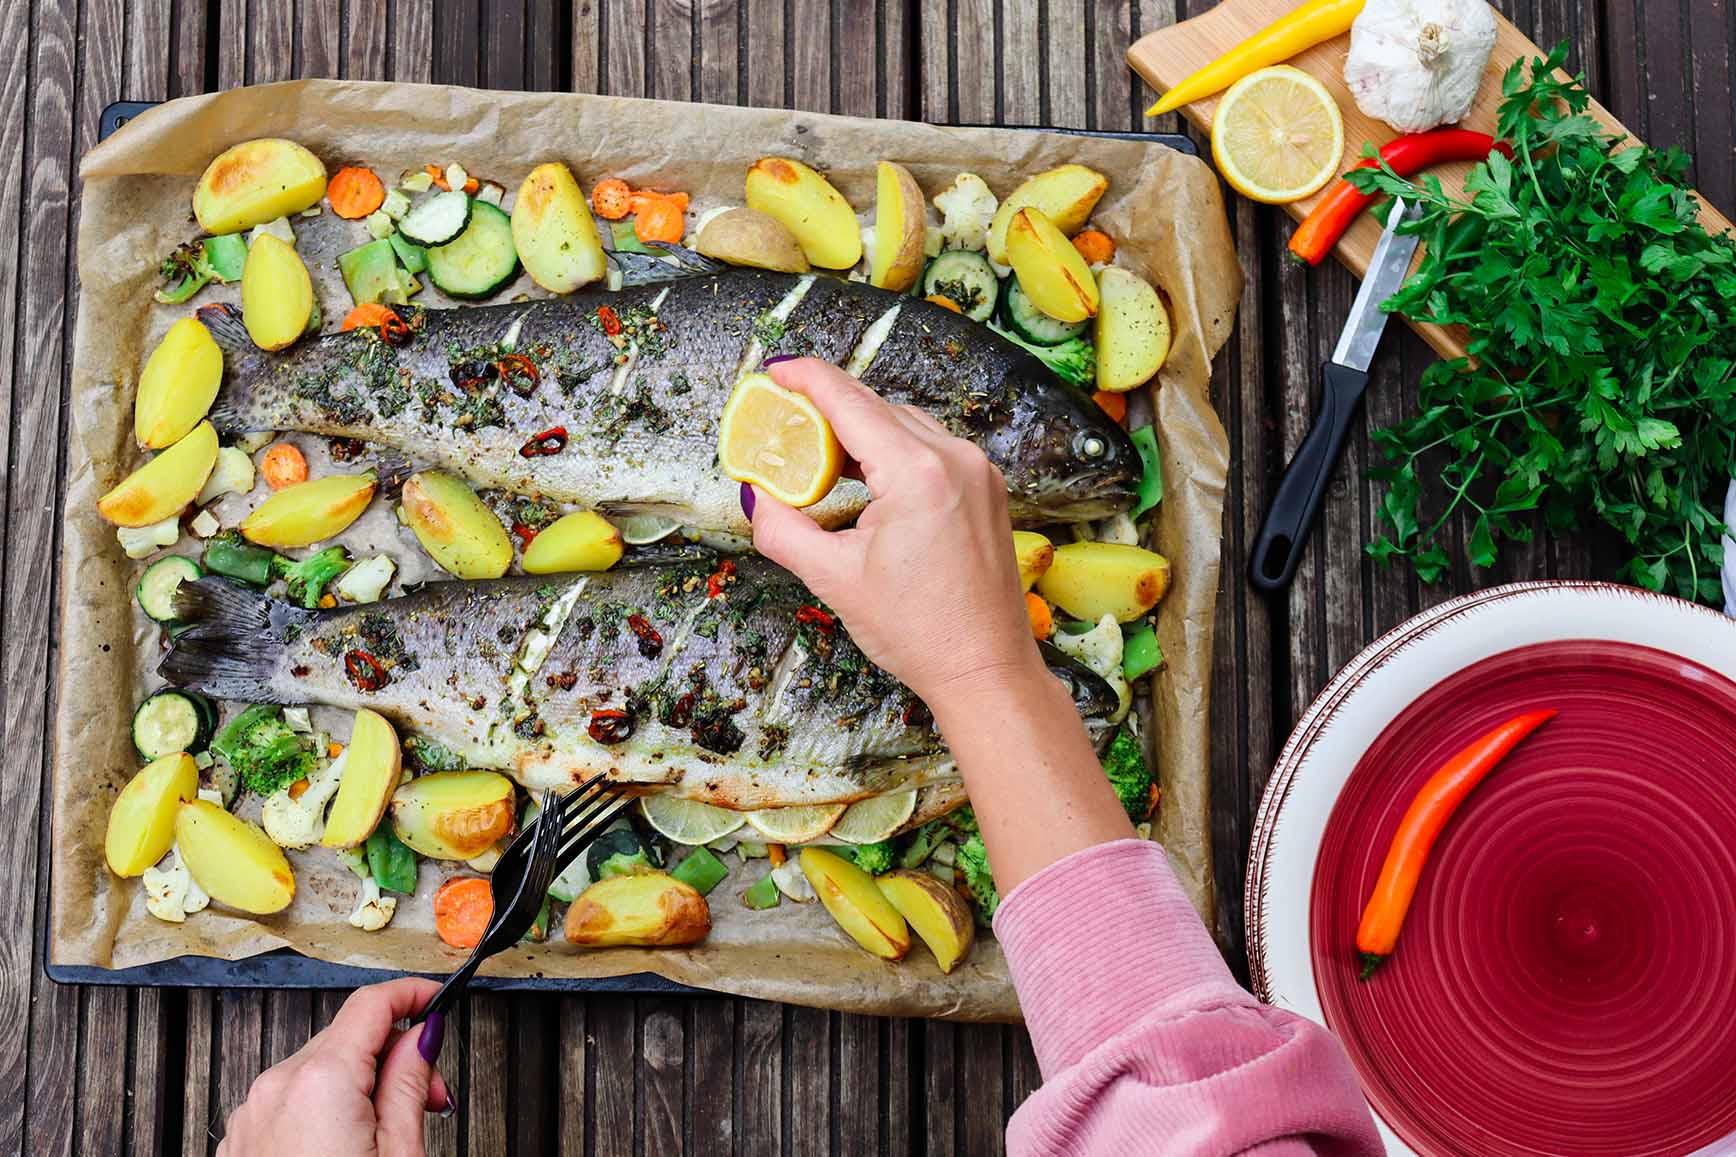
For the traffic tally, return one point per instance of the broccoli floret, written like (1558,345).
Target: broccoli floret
(263,751)
(187,270)
(973,865)
(1074,360)
(620,852)
(920,844)
(1124,764)
(871,858)
(425,755)
(308,578)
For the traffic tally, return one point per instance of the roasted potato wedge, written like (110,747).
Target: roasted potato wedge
(257,181)
(809,207)
(276,293)
(1034,553)
(649,909)
(141,824)
(233,860)
(372,764)
(1066,195)
(900,229)
(748,237)
(1132,330)
(166,484)
(582,540)
(937,912)
(1091,579)
(307,512)
(178,385)
(1051,272)
(454,527)
(453,815)
(554,232)
(856,903)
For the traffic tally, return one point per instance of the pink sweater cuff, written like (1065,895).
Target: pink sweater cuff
(1119,905)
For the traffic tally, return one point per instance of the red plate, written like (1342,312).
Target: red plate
(1566,979)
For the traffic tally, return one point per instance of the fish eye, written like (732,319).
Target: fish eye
(1093,446)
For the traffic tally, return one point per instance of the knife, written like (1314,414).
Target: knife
(1278,546)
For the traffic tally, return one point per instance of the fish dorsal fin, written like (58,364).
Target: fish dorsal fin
(675,264)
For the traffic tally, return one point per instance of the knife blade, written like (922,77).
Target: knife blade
(1277,548)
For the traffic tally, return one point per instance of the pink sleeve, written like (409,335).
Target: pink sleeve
(1146,1042)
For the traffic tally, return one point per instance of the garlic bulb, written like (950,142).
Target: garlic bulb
(1416,64)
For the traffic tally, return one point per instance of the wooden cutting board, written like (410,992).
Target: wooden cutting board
(1164,57)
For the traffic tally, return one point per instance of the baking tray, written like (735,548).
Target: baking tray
(289,969)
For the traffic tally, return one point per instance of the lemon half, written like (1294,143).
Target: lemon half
(778,440)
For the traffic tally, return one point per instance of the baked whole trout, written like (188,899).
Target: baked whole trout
(719,680)
(611,399)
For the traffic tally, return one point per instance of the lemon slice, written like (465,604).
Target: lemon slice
(778,441)
(1277,136)
(795,825)
(871,820)
(642,529)
(687,821)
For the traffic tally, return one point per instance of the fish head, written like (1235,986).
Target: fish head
(1093,697)
(1064,459)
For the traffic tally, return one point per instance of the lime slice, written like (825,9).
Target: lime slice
(871,820)
(795,825)
(640,529)
(687,821)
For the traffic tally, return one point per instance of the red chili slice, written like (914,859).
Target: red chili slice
(519,373)
(523,533)
(611,323)
(723,574)
(365,671)
(610,725)
(551,441)
(650,642)
(394,330)
(814,615)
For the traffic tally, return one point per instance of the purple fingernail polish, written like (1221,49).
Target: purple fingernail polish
(433,1034)
(776,358)
(747,500)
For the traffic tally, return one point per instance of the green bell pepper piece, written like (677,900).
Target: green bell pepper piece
(762,894)
(702,870)
(234,557)
(1151,481)
(1140,652)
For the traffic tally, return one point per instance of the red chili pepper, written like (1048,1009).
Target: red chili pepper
(1407,156)
(394,330)
(814,615)
(551,441)
(610,725)
(650,642)
(724,572)
(611,323)
(1428,813)
(523,533)
(516,368)
(365,671)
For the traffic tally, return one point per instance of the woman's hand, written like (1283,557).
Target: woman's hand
(925,581)
(357,1087)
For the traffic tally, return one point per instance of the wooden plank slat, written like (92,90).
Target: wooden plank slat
(101,1100)
(810,40)
(611,1054)
(240,1054)
(624,71)
(808,1080)
(765,62)
(981,1079)
(662,1050)
(857,1121)
(760,1078)
(532,1083)
(719,51)
(573,1066)
(488,1096)
(711,1074)
(587,46)
(365,40)
(456,55)
(412,38)
(318,35)
(198,1124)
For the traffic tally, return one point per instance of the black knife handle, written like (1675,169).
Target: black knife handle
(1278,546)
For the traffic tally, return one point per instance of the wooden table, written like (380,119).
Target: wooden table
(104,1071)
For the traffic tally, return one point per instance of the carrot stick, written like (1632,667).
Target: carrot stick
(776,852)
(1095,246)
(943,301)
(439,177)
(283,465)
(1428,813)
(365,316)
(355,192)
(1115,405)
(462,908)
(612,198)
(1042,619)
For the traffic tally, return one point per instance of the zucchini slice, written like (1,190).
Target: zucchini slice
(172,721)
(967,278)
(481,261)
(439,219)
(156,589)
(1033,324)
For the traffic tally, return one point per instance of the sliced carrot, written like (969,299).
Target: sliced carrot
(1115,405)
(776,852)
(355,192)
(1095,246)
(660,220)
(283,465)
(297,788)
(439,176)
(612,198)
(943,301)
(644,197)
(333,750)
(1042,619)
(462,908)
(366,316)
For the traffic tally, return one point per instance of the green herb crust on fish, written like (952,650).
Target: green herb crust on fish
(716,679)
(612,399)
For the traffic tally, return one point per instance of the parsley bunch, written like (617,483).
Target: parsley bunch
(1602,370)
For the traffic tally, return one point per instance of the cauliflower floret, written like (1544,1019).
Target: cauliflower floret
(373,911)
(233,474)
(1118,528)
(171,893)
(298,821)
(1100,650)
(144,541)
(968,204)
(793,882)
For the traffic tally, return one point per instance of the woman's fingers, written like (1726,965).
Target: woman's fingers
(362,1027)
(404,1091)
(796,542)
(866,425)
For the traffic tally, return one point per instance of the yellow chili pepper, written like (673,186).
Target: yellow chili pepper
(1313,23)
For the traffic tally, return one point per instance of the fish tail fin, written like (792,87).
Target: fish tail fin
(233,641)
(233,412)
(223,321)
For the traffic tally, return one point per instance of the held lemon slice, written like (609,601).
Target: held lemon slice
(795,825)
(687,821)
(778,441)
(871,820)
(1277,136)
